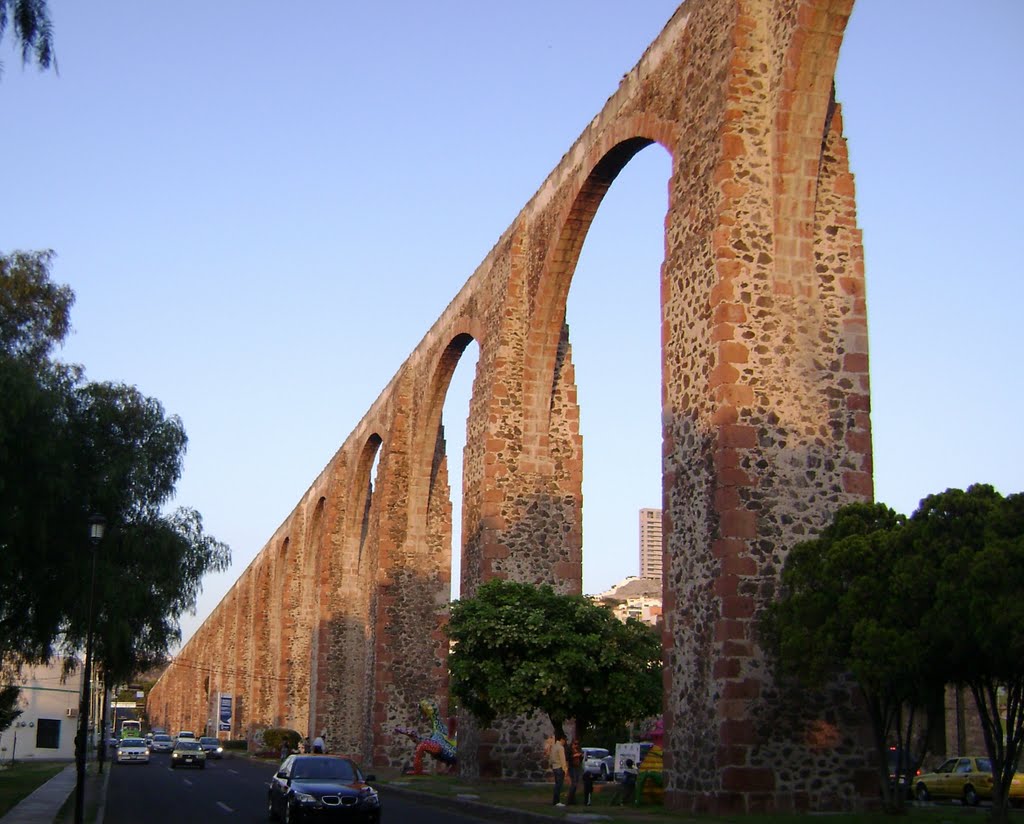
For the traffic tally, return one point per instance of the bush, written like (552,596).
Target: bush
(236,744)
(273,737)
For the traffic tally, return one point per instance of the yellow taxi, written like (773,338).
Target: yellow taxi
(966,777)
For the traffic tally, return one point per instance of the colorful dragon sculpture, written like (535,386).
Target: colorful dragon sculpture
(437,742)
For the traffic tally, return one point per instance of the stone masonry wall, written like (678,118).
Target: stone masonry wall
(766,432)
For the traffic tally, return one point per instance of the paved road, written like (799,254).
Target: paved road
(233,790)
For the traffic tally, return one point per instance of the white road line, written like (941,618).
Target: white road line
(224,807)
(188,782)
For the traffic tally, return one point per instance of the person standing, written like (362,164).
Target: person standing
(588,787)
(625,794)
(318,744)
(575,759)
(559,767)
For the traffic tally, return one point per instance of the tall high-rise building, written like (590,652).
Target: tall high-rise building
(650,543)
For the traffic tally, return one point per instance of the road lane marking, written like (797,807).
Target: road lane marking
(224,807)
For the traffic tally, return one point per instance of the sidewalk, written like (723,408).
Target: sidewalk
(43,805)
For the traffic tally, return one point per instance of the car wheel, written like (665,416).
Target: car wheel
(922,793)
(971,797)
(604,773)
(270,809)
(202,765)
(287,813)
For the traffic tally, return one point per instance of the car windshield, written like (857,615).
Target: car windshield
(132,742)
(188,745)
(161,738)
(335,769)
(207,740)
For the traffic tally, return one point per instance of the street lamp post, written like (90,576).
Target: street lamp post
(97,523)
(14,747)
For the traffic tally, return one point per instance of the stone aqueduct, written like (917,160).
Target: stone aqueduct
(337,623)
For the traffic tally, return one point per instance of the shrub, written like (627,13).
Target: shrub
(273,737)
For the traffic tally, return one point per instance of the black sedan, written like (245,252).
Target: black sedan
(211,746)
(322,788)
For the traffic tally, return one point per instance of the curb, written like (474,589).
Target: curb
(491,812)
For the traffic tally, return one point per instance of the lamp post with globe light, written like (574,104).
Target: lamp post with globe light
(97,525)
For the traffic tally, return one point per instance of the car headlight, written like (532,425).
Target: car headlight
(370,798)
(304,798)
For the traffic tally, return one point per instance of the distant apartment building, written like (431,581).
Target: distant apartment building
(650,543)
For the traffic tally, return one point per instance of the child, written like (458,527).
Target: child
(625,792)
(588,787)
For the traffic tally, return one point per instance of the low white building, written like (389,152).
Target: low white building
(46,728)
(634,597)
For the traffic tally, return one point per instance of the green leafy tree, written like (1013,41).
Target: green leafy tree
(38,496)
(33,31)
(10,696)
(850,603)
(973,543)
(69,448)
(35,313)
(518,648)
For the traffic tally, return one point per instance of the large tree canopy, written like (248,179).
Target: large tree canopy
(519,648)
(69,448)
(970,546)
(909,606)
(821,626)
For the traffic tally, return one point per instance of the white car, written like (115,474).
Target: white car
(132,751)
(598,762)
(185,735)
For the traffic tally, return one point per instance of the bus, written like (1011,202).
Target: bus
(131,729)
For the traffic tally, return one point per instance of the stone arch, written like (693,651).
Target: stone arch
(362,494)
(320,562)
(430,483)
(263,673)
(607,160)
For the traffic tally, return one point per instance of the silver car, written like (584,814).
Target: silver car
(162,743)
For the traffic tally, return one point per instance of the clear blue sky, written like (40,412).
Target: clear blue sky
(262,214)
